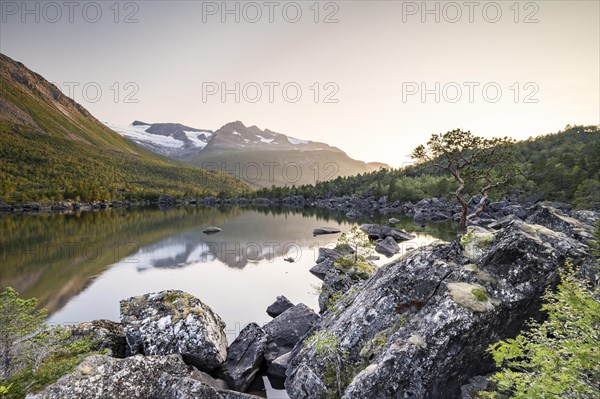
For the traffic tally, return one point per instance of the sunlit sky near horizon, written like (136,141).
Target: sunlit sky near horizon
(497,68)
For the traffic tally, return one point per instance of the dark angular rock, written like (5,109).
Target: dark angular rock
(279,366)
(476,385)
(280,305)
(326,253)
(432,209)
(287,329)
(322,269)
(387,247)
(503,222)
(556,220)
(244,357)
(516,210)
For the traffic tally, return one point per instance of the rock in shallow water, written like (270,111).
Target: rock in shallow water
(175,322)
(325,230)
(280,305)
(287,329)
(387,247)
(244,357)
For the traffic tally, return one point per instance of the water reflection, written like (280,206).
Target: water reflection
(80,265)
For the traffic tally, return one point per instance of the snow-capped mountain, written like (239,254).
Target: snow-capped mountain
(234,147)
(170,139)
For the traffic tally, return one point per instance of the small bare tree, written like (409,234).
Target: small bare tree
(482,164)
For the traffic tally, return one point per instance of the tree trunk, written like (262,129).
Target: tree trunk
(463,204)
(480,206)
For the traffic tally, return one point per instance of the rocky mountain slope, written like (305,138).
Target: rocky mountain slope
(52,149)
(259,157)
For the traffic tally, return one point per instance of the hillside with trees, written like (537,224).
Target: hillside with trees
(52,149)
(562,166)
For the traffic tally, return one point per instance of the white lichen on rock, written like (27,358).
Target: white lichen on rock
(417,340)
(475,242)
(462,293)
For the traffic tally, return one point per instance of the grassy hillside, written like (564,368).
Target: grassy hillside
(52,149)
(555,165)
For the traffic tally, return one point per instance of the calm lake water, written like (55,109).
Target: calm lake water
(80,265)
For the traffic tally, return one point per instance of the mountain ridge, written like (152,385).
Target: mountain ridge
(54,149)
(235,146)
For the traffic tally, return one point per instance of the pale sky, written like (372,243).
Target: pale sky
(375,61)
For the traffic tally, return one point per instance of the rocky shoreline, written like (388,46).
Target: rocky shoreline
(412,328)
(425,211)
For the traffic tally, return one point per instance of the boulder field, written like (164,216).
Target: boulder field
(417,327)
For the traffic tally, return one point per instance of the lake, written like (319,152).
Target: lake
(80,265)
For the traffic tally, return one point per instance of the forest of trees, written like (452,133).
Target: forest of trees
(553,167)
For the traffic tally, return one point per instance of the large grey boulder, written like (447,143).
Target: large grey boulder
(420,326)
(287,329)
(175,322)
(100,377)
(557,220)
(244,357)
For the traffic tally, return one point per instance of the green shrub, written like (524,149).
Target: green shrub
(34,355)
(557,358)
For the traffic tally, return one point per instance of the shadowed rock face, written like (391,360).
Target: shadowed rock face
(174,322)
(419,328)
(244,357)
(287,329)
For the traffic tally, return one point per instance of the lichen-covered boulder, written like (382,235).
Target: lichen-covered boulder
(420,326)
(556,220)
(100,377)
(174,322)
(244,357)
